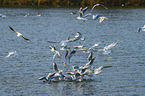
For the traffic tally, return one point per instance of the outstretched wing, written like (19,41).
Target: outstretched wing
(11,28)
(138,30)
(26,38)
(53,42)
(98,5)
(55,67)
(15,31)
(111,45)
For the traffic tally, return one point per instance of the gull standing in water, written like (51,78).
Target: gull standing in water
(53,49)
(141,29)
(19,34)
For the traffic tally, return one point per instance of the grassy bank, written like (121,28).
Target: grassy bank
(44,6)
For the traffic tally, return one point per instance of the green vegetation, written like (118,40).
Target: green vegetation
(71,3)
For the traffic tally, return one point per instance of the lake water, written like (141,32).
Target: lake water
(19,74)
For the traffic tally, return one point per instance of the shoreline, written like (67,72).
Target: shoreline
(44,6)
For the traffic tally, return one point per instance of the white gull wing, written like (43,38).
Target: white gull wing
(77,37)
(98,5)
(89,64)
(53,49)
(11,53)
(96,16)
(95,45)
(141,29)
(81,14)
(97,71)
(84,10)
(111,45)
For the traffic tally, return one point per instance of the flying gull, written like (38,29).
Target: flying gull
(11,53)
(98,5)
(81,14)
(100,17)
(107,48)
(141,29)
(68,55)
(19,34)
(53,49)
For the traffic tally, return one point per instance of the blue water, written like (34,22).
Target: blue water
(19,74)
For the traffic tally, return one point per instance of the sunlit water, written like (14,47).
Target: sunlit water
(19,75)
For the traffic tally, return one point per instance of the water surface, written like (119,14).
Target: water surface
(19,75)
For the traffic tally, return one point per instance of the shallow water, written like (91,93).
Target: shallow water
(19,74)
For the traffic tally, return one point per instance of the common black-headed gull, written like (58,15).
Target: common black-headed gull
(19,34)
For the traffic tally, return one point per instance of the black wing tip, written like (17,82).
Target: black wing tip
(11,28)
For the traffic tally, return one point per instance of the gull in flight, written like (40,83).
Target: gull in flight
(65,42)
(85,49)
(56,76)
(98,70)
(53,49)
(19,34)
(98,5)
(11,53)
(100,17)
(47,78)
(89,64)
(95,45)
(80,48)
(81,14)
(57,72)
(141,29)
(77,37)
(68,55)
(90,56)
(106,49)
(73,12)
(26,15)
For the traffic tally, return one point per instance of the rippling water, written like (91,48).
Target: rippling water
(19,75)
